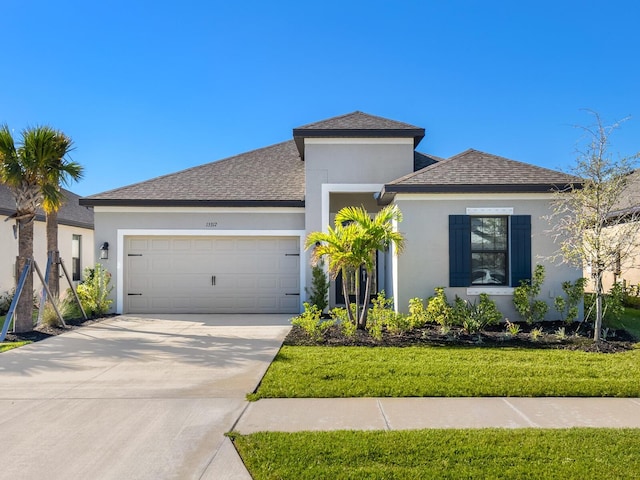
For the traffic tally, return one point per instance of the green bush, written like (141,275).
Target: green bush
(93,293)
(525,297)
(475,317)
(417,313)
(568,307)
(612,305)
(339,315)
(438,308)
(310,322)
(318,294)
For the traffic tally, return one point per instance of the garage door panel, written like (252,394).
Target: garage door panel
(160,245)
(203,245)
(174,274)
(288,283)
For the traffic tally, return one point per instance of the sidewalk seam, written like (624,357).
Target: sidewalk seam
(224,437)
(384,417)
(520,413)
(233,427)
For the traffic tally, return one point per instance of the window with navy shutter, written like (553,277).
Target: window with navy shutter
(520,249)
(484,249)
(459,250)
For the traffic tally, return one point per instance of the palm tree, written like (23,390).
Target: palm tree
(61,171)
(375,234)
(336,245)
(27,170)
(353,243)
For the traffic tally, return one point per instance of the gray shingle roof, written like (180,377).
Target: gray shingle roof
(357,121)
(422,160)
(475,171)
(71,213)
(629,199)
(357,124)
(270,176)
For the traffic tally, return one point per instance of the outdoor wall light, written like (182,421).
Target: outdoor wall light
(104,251)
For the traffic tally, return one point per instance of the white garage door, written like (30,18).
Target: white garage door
(212,274)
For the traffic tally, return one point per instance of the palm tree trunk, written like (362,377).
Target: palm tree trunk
(52,248)
(345,293)
(365,306)
(24,309)
(357,278)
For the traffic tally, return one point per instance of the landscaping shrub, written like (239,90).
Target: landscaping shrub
(417,313)
(50,317)
(93,293)
(438,308)
(310,322)
(568,307)
(318,294)
(525,297)
(339,315)
(612,305)
(475,317)
(383,317)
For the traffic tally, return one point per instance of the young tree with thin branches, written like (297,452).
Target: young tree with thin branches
(596,223)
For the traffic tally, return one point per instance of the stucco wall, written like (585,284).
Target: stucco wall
(10,250)
(201,221)
(424,265)
(354,161)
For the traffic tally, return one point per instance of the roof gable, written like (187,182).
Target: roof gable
(357,125)
(269,176)
(476,171)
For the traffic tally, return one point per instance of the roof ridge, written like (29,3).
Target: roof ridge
(311,125)
(421,171)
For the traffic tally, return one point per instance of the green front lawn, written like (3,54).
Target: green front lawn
(630,322)
(449,372)
(4,346)
(487,453)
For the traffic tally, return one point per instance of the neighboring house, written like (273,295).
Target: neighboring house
(75,238)
(228,236)
(627,272)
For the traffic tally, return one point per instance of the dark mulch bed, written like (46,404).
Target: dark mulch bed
(44,331)
(578,336)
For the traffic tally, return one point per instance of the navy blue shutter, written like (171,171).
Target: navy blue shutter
(459,251)
(520,249)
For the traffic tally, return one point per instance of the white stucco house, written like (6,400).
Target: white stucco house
(75,238)
(228,236)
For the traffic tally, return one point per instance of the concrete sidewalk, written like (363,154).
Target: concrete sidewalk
(290,415)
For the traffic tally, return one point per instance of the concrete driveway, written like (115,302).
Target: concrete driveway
(145,397)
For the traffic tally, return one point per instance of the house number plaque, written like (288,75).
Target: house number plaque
(211,224)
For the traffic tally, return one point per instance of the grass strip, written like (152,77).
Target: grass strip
(578,453)
(630,321)
(328,372)
(4,346)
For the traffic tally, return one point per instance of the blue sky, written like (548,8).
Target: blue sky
(148,88)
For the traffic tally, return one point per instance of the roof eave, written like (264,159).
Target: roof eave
(299,134)
(475,188)
(124,202)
